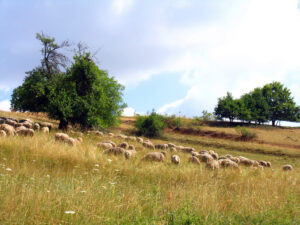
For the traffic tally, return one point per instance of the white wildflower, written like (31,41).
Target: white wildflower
(8,169)
(96,165)
(69,212)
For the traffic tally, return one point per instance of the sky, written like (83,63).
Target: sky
(173,56)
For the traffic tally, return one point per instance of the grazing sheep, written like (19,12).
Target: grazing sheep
(179,148)
(211,152)
(79,139)
(27,124)
(287,167)
(115,151)
(124,145)
(131,138)
(203,151)
(139,139)
(206,157)
(20,128)
(222,157)
(196,154)
(2,133)
(171,145)
(269,164)
(9,130)
(215,155)
(194,159)
(154,156)
(213,164)
(45,124)
(71,141)
(164,153)
(175,159)
(45,130)
(160,146)
(104,145)
(61,137)
(129,154)
(25,132)
(263,163)
(11,122)
(235,159)
(111,135)
(148,144)
(246,161)
(110,142)
(228,156)
(131,147)
(187,149)
(36,126)
(228,163)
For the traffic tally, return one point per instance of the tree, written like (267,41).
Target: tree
(226,108)
(150,126)
(280,103)
(86,95)
(52,58)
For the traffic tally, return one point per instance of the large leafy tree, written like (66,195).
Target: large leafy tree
(281,105)
(227,107)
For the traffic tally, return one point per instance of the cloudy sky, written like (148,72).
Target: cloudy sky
(174,56)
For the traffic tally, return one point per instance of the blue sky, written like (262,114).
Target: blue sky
(172,56)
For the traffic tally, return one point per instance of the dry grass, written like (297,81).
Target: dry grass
(49,178)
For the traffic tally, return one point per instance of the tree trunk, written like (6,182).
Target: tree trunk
(63,124)
(273,123)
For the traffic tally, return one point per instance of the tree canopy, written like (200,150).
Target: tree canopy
(82,94)
(272,103)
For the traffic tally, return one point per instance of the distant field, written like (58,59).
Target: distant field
(45,182)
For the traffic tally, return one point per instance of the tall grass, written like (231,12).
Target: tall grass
(48,178)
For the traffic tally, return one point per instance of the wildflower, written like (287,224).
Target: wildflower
(48,175)
(82,191)
(96,165)
(109,160)
(113,183)
(8,169)
(48,191)
(69,212)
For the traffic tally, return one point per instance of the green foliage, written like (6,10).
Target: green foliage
(150,126)
(84,94)
(245,133)
(226,108)
(172,121)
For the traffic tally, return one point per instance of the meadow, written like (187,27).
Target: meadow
(46,182)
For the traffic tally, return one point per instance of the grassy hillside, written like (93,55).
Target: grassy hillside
(45,182)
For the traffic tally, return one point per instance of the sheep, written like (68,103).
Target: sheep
(104,145)
(139,139)
(196,154)
(115,151)
(194,159)
(228,163)
(203,151)
(111,135)
(246,161)
(175,159)
(222,157)
(27,124)
(61,137)
(228,156)
(9,130)
(129,154)
(187,149)
(148,144)
(287,167)
(36,126)
(130,138)
(171,145)
(160,146)
(164,153)
(124,145)
(79,139)
(154,156)
(131,147)
(206,157)
(213,164)
(215,155)
(2,133)
(71,141)
(45,130)
(20,128)
(46,124)
(235,159)
(11,122)
(211,152)
(269,164)
(25,132)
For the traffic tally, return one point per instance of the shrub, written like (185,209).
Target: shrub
(172,121)
(245,133)
(150,126)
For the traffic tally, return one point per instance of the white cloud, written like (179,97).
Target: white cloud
(5,105)
(121,6)
(129,111)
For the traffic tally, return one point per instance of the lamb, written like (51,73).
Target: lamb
(213,164)
(124,145)
(115,151)
(2,133)
(194,159)
(175,159)
(129,154)
(9,130)
(154,156)
(287,167)
(45,130)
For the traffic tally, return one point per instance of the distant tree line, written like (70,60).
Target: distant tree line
(82,93)
(272,102)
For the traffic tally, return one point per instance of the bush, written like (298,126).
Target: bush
(150,126)
(245,133)
(172,121)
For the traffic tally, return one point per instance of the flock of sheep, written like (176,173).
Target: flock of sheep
(12,127)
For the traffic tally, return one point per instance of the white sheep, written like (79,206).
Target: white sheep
(2,133)
(104,145)
(194,159)
(139,139)
(206,157)
(213,164)
(287,167)
(9,130)
(175,159)
(36,126)
(129,154)
(115,151)
(154,156)
(45,130)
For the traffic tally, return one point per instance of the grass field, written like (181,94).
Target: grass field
(45,182)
